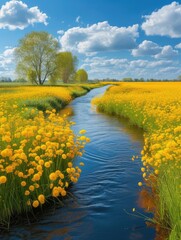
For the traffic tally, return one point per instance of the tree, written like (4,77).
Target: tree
(179,78)
(20,80)
(127,79)
(81,76)
(36,57)
(5,79)
(67,64)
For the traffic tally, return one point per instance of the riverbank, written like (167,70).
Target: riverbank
(37,147)
(154,107)
(44,97)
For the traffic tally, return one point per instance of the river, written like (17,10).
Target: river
(107,191)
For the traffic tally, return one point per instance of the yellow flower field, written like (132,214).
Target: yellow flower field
(42,97)
(37,148)
(155,107)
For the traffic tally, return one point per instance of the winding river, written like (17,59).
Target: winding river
(101,207)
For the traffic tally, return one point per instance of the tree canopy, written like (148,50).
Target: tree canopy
(67,64)
(81,76)
(37,57)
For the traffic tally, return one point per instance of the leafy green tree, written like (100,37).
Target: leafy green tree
(81,76)
(67,64)
(179,78)
(128,79)
(37,57)
(32,76)
(20,80)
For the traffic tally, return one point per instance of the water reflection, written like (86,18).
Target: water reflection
(68,111)
(135,133)
(106,188)
(148,201)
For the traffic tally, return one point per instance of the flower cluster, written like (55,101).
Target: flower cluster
(36,157)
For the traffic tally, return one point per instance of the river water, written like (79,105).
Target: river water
(103,198)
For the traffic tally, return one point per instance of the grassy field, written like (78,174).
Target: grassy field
(156,108)
(37,147)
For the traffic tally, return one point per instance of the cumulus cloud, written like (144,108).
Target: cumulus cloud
(167,52)
(102,67)
(168,69)
(149,48)
(105,63)
(146,48)
(7,57)
(16,15)
(7,62)
(164,22)
(9,53)
(102,62)
(98,38)
(178,46)
(60,32)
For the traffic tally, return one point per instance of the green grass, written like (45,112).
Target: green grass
(169,191)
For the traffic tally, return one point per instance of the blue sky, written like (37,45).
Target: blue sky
(112,39)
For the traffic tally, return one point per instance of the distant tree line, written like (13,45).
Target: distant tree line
(5,79)
(134,80)
(148,80)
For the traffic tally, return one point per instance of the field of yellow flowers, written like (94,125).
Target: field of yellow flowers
(45,97)
(37,147)
(155,107)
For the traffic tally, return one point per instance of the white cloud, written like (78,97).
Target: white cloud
(104,62)
(7,63)
(98,38)
(138,63)
(167,52)
(7,57)
(149,48)
(123,63)
(77,19)
(168,69)
(164,22)
(178,46)
(16,15)
(60,32)
(102,67)
(160,63)
(146,48)
(9,52)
